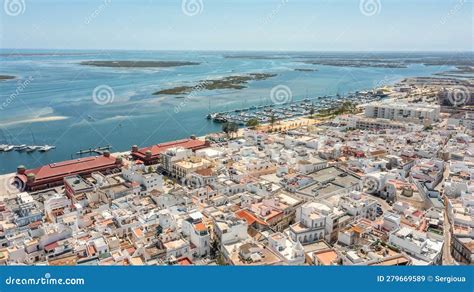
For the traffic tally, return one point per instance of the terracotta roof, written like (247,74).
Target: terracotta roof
(250,218)
(51,246)
(205,171)
(160,148)
(326,257)
(200,226)
(61,169)
(184,261)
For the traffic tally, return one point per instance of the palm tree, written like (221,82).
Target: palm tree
(311,110)
(230,128)
(272,120)
(252,123)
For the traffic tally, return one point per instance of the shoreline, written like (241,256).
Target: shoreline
(34,120)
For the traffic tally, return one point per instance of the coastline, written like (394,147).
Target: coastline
(35,120)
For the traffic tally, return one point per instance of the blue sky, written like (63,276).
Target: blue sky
(280,25)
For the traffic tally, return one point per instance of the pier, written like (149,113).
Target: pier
(98,150)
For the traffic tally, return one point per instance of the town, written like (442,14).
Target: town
(389,182)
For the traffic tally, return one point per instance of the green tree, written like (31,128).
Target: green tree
(252,123)
(311,110)
(229,128)
(272,120)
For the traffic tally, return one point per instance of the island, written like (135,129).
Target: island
(6,77)
(229,82)
(138,64)
(306,70)
(357,63)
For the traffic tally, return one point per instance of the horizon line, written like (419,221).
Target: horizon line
(249,50)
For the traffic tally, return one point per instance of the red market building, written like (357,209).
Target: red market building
(151,155)
(53,174)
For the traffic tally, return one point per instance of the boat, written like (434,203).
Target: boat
(8,148)
(20,147)
(31,148)
(45,148)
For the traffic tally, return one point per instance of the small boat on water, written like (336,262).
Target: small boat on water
(31,148)
(20,147)
(8,148)
(45,148)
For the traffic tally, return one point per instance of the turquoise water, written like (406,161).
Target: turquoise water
(54,84)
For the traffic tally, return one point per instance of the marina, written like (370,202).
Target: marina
(98,150)
(293,109)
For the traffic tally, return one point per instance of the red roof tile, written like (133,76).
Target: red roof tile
(75,166)
(250,218)
(160,148)
(51,246)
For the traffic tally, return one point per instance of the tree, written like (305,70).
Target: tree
(252,123)
(229,128)
(272,119)
(311,110)
(150,169)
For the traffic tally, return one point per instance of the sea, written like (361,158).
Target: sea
(56,100)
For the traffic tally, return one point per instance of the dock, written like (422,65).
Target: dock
(288,110)
(98,150)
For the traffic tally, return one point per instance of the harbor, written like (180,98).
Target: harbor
(25,148)
(292,109)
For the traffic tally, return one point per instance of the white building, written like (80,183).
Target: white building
(138,173)
(358,205)
(310,223)
(194,228)
(426,250)
(401,111)
(292,253)
(230,230)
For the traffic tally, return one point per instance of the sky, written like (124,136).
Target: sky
(268,25)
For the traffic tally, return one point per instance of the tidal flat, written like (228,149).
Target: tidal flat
(138,64)
(229,82)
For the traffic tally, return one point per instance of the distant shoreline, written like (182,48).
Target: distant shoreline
(138,64)
(7,77)
(35,120)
